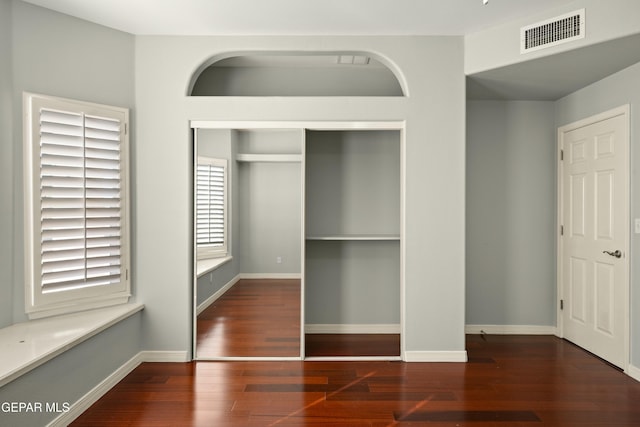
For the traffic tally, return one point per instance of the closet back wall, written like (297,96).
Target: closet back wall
(352,277)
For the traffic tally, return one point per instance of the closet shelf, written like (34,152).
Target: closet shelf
(354,237)
(274,158)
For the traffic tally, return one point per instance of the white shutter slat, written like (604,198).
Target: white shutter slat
(67,275)
(102,134)
(101,232)
(104,273)
(104,262)
(54,270)
(103,123)
(57,203)
(61,140)
(53,192)
(80,177)
(61,171)
(53,150)
(57,213)
(101,163)
(55,117)
(63,234)
(103,252)
(105,174)
(61,182)
(61,160)
(96,153)
(63,223)
(97,222)
(61,255)
(52,247)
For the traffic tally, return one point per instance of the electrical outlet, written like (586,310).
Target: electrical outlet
(637,226)
(210,277)
(279,260)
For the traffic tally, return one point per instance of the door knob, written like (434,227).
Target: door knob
(616,253)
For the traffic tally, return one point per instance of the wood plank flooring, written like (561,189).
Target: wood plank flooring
(510,381)
(327,345)
(253,318)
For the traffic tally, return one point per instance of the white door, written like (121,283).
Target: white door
(594,246)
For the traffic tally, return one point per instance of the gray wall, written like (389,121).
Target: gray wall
(352,283)
(619,89)
(270,217)
(510,213)
(6,167)
(352,187)
(297,81)
(54,54)
(352,182)
(434,219)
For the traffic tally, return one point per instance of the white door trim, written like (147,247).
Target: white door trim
(303,126)
(620,111)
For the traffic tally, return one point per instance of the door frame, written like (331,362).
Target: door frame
(339,125)
(624,111)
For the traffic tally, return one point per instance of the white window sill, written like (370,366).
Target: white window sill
(203,266)
(28,345)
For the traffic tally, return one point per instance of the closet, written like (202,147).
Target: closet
(352,243)
(321,202)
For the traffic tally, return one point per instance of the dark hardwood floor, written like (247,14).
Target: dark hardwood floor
(255,318)
(327,345)
(509,381)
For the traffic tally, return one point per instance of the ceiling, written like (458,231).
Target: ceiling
(553,77)
(299,17)
(547,78)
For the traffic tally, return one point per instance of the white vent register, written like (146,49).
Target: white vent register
(553,31)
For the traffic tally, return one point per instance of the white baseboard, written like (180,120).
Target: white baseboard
(164,356)
(108,383)
(435,356)
(270,275)
(206,303)
(96,393)
(511,329)
(633,372)
(351,329)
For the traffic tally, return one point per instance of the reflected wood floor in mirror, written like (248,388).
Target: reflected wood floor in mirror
(255,318)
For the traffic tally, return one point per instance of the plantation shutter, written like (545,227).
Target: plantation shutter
(81,210)
(210,203)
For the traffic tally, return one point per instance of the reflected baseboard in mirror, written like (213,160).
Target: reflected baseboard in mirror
(255,318)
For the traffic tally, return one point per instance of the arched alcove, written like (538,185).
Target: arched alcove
(287,74)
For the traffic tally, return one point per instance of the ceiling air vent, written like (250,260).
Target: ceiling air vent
(552,32)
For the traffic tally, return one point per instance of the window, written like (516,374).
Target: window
(76,205)
(211,207)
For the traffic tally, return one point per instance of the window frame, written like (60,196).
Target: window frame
(39,303)
(207,251)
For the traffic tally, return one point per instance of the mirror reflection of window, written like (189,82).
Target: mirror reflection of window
(211,208)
